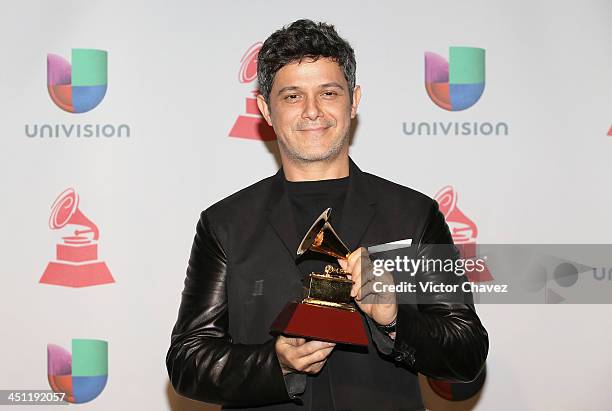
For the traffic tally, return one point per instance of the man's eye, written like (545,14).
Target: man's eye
(291,97)
(330,93)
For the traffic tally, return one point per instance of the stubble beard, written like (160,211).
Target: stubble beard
(305,158)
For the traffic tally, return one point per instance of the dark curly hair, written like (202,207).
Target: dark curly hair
(303,39)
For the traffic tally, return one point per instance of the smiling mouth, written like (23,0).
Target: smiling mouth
(314,129)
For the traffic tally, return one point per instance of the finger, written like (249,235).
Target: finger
(316,367)
(354,258)
(368,295)
(365,290)
(367,268)
(355,271)
(317,356)
(292,341)
(298,341)
(360,253)
(311,347)
(281,339)
(356,267)
(344,265)
(366,285)
(385,295)
(366,274)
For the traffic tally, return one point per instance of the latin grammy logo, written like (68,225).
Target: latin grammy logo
(463,230)
(251,125)
(77,263)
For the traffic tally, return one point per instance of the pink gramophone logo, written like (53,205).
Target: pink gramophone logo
(251,125)
(463,230)
(76,263)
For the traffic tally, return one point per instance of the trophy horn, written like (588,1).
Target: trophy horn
(322,238)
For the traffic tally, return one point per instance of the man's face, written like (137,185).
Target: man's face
(310,109)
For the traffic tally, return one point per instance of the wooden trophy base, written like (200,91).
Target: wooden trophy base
(321,323)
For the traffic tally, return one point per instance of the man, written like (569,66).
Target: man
(243,269)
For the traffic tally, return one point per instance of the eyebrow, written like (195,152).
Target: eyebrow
(332,84)
(326,85)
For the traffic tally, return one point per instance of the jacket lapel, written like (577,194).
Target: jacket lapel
(280,214)
(359,208)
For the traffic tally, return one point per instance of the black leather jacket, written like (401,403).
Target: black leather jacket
(221,350)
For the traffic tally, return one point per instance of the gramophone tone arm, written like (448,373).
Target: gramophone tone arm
(78,233)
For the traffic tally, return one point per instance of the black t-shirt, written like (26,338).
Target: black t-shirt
(308,200)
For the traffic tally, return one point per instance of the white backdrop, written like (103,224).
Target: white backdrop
(173,78)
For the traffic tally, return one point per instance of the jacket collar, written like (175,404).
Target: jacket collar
(359,209)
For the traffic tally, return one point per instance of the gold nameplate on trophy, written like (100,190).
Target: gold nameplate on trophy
(331,289)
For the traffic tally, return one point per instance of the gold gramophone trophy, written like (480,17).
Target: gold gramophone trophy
(325,313)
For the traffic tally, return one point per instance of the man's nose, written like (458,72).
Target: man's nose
(312,111)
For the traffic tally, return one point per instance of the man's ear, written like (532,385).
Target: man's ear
(264,109)
(356,98)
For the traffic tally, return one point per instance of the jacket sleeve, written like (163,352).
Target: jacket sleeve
(441,336)
(203,363)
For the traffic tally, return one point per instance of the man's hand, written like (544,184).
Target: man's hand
(381,307)
(299,355)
